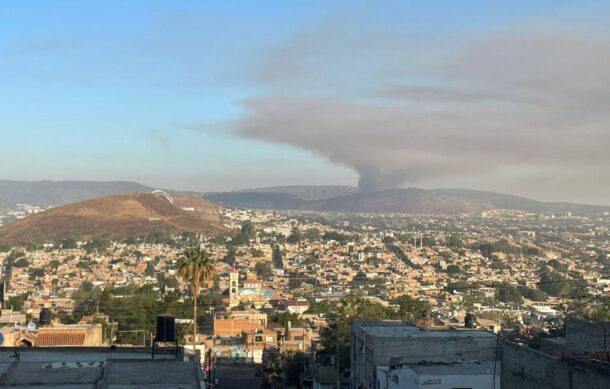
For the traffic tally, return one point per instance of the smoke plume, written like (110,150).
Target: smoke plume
(527,105)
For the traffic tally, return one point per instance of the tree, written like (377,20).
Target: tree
(263,270)
(4,248)
(150,270)
(601,313)
(412,310)
(335,338)
(295,281)
(295,236)
(248,229)
(240,240)
(257,253)
(453,269)
(68,244)
(284,317)
(97,244)
(196,267)
(334,235)
(312,234)
(22,262)
(276,257)
(507,293)
(229,258)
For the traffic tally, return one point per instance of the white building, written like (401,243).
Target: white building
(439,375)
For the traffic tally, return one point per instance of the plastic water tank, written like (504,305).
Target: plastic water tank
(166,328)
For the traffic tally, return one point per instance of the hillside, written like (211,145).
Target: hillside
(132,214)
(403,200)
(52,193)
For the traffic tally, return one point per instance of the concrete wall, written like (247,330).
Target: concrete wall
(368,352)
(582,336)
(524,368)
(408,378)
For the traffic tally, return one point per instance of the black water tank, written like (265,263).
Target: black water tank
(470,320)
(45,317)
(166,325)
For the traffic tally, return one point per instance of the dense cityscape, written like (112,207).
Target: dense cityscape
(287,285)
(304,194)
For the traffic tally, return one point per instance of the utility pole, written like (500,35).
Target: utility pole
(337,363)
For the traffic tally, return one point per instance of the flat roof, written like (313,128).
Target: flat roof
(407,330)
(481,368)
(91,367)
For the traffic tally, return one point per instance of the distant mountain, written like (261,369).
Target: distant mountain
(260,200)
(52,193)
(307,192)
(5,204)
(403,200)
(134,214)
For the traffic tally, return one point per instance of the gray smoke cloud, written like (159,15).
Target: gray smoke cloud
(508,107)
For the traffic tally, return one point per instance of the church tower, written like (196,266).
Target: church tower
(233,288)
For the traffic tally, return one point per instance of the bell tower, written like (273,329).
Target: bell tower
(233,288)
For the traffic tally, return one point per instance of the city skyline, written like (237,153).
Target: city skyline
(223,96)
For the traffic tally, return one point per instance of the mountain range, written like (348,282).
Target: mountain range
(400,200)
(117,216)
(331,198)
(53,193)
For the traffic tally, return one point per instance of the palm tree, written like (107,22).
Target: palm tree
(197,268)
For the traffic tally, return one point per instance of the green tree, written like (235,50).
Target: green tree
(412,310)
(453,270)
(97,244)
(36,274)
(22,262)
(4,248)
(601,313)
(68,244)
(509,294)
(312,234)
(276,257)
(229,258)
(295,236)
(257,253)
(335,338)
(247,229)
(197,268)
(150,269)
(334,235)
(240,240)
(284,317)
(263,270)
(16,302)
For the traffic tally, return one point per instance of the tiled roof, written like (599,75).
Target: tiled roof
(70,338)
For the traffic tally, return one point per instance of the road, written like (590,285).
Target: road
(237,377)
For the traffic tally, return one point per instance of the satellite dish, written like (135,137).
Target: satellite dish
(31,326)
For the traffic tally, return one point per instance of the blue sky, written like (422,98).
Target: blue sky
(150,91)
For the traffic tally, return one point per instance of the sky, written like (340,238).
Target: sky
(508,96)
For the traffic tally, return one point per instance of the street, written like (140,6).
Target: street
(237,377)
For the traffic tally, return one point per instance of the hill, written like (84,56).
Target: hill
(52,193)
(134,214)
(404,200)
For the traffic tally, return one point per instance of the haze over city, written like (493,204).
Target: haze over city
(331,194)
(231,95)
